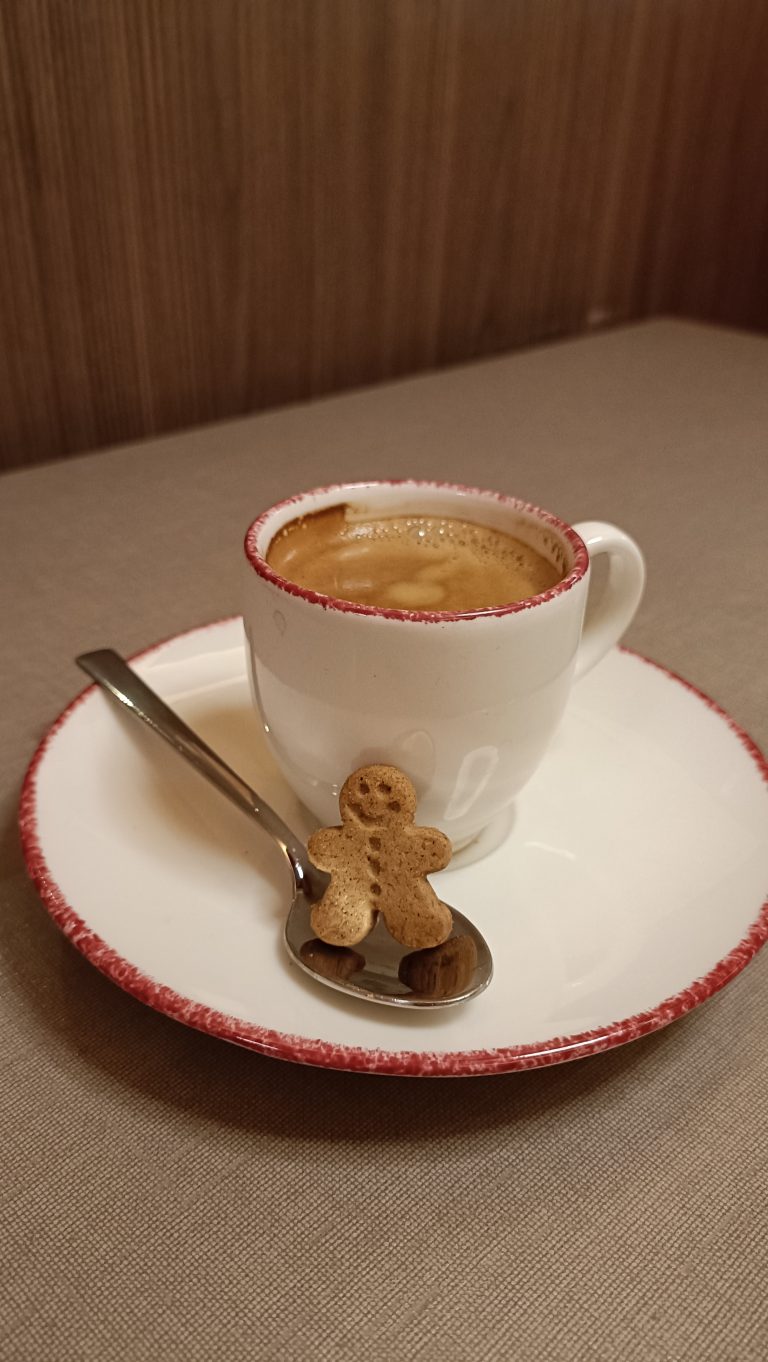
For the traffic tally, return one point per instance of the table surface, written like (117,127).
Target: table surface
(168,1196)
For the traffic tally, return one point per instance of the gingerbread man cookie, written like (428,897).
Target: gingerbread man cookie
(377,861)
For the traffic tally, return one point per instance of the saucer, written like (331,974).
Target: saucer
(628,889)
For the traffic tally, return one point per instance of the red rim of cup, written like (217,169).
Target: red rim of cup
(260,565)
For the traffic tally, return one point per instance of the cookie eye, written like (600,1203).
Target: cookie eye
(364,787)
(374,843)
(385,789)
(394,805)
(376,889)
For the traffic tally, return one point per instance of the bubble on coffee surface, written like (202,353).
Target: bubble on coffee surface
(409,562)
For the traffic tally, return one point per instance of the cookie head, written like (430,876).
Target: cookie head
(378,796)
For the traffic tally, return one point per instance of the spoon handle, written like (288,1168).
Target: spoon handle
(110,671)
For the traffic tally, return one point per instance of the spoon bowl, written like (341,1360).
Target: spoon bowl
(378,969)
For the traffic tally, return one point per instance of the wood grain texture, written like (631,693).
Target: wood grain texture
(211,206)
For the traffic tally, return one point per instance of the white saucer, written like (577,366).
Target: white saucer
(628,890)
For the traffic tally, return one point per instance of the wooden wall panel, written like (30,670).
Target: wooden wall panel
(210,206)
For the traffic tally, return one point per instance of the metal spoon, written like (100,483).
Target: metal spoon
(378,969)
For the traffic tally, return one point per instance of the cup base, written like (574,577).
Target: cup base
(484,842)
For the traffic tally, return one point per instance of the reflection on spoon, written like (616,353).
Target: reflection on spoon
(332,962)
(442,971)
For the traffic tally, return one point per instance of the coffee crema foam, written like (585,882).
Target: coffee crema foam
(409,562)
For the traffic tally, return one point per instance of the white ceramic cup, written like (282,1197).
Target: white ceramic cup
(464,704)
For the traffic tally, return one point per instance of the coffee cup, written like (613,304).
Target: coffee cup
(464,700)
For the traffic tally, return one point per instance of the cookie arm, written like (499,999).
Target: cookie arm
(433,850)
(324,847)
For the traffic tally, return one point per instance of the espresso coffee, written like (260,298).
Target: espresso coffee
(409,562)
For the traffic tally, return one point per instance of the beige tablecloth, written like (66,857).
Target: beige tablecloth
(165,1195)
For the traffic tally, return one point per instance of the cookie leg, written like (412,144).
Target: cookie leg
(418,920)
(342,919)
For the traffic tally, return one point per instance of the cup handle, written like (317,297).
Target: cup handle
(610,616)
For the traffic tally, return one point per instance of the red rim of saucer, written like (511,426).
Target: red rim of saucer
(262,567)
(325,1054)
